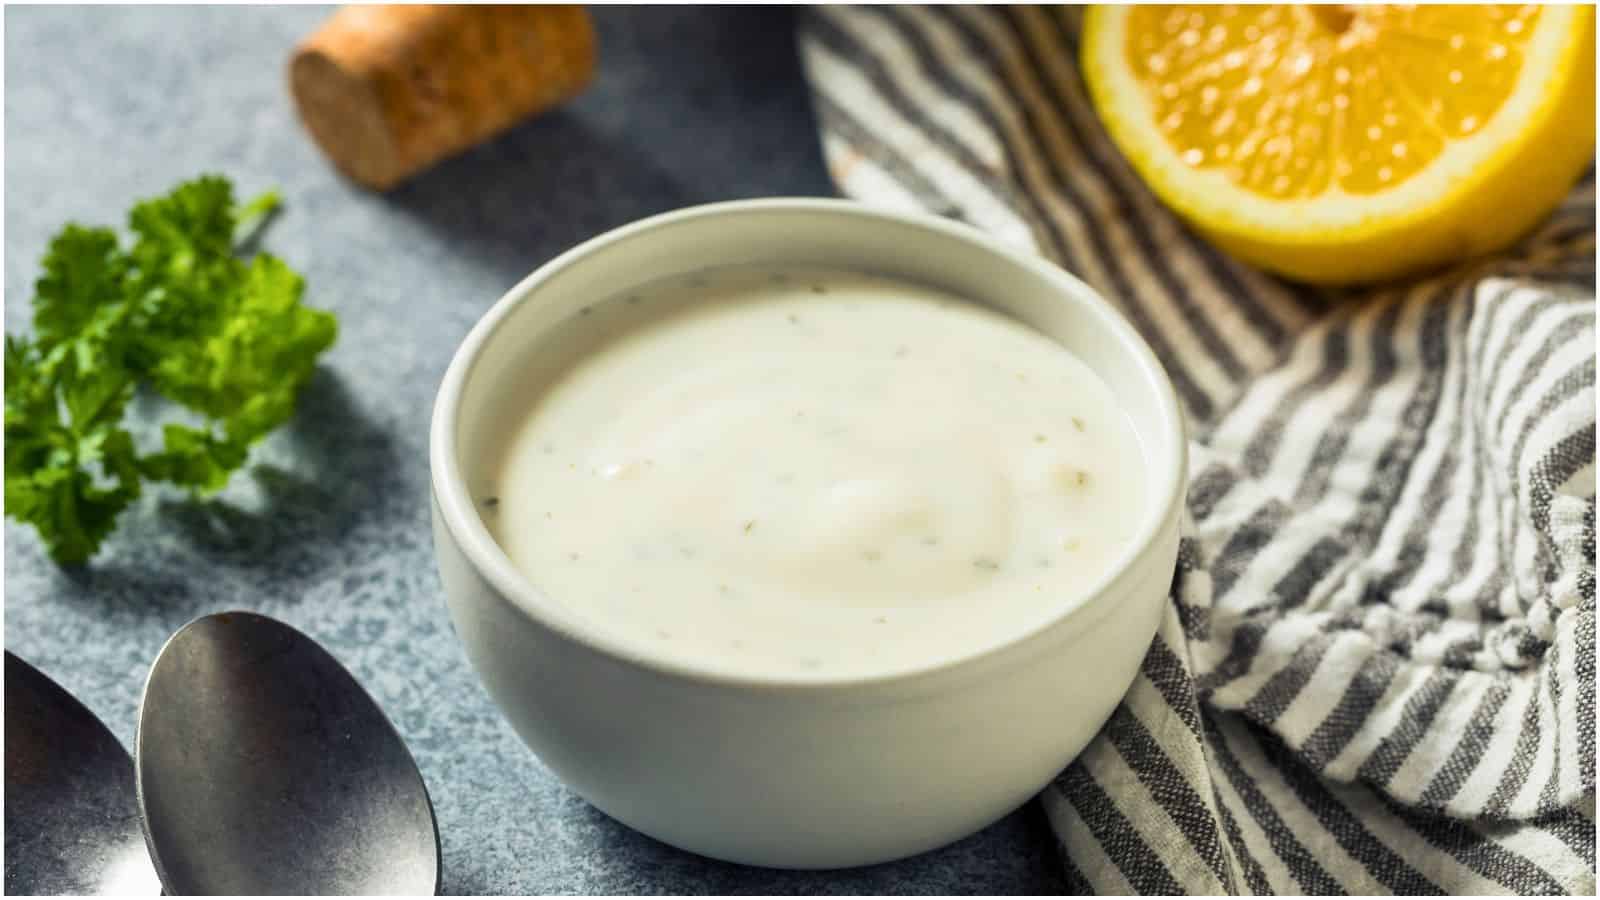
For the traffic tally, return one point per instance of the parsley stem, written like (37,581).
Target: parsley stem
(253,217)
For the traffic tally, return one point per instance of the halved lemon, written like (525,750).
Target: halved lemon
(1349,144)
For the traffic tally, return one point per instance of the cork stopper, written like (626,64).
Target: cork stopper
(386,91)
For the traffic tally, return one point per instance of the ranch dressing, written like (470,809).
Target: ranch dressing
(811,471)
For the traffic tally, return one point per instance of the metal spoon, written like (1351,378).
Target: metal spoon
(264,768)
(72,822)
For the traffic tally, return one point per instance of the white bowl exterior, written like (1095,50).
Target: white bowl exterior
(801,775)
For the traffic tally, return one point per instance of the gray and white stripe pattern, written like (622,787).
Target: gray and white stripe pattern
(1377,671)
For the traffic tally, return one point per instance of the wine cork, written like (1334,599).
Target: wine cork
(386,91)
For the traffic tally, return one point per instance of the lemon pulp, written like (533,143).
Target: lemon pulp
(1341,144)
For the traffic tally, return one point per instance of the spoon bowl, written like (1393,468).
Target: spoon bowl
(72,819)
(264,768)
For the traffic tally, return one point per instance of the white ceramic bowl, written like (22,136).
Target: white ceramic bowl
(802,774)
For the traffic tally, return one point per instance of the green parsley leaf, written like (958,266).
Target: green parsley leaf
(178,311)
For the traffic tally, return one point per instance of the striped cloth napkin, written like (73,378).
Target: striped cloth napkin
(1377,670)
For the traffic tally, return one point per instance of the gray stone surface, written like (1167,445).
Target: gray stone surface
(328,528)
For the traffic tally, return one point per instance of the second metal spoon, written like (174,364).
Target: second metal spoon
(71,819)
(264,768)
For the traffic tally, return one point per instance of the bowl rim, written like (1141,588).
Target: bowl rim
(466,528)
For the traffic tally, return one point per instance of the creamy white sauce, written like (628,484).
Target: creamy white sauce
(806,471)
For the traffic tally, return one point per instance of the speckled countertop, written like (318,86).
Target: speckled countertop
(329,528)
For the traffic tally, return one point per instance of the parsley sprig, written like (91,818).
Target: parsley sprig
(177,310)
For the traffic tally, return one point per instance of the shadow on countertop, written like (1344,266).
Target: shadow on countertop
(346,469)
(637,864)
(721,94)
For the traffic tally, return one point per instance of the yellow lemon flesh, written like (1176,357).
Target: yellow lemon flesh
(1341,145)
